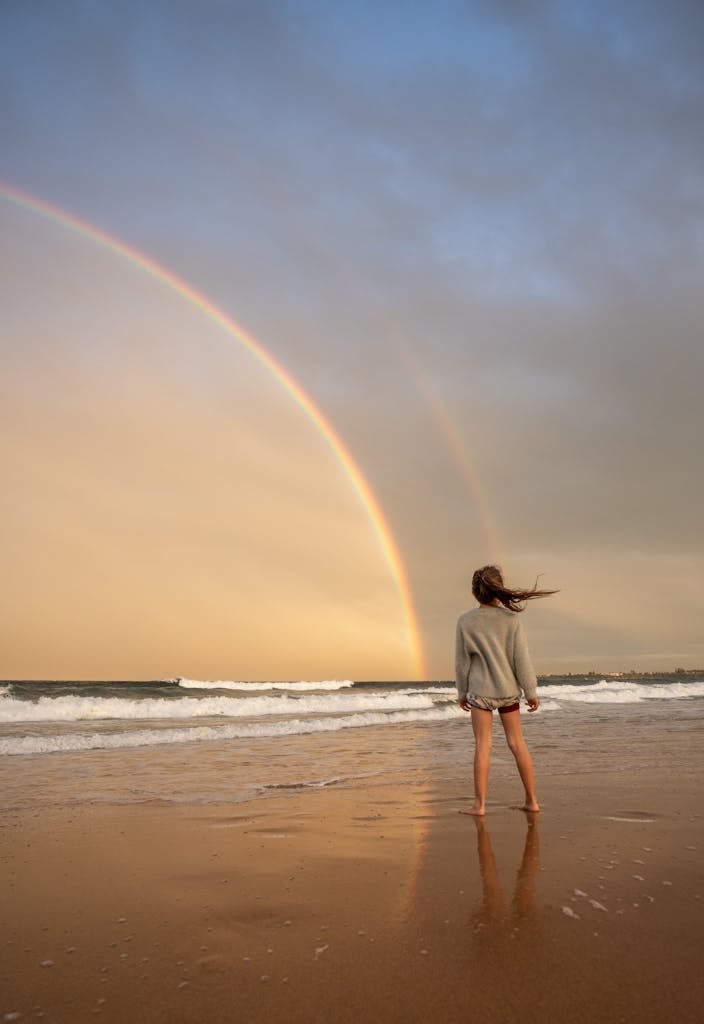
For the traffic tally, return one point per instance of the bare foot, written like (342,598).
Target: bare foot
(476,811)
(533,808)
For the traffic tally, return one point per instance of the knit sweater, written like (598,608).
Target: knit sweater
(492,658)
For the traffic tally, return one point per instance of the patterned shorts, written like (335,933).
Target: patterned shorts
(501,704)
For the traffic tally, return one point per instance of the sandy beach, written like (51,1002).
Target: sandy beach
(375,903)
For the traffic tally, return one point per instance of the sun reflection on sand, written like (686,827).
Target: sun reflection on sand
(421,821)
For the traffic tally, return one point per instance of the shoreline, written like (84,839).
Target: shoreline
(379,903)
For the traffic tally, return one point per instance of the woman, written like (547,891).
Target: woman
(492,667)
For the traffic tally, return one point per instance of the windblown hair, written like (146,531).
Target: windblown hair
(488,586)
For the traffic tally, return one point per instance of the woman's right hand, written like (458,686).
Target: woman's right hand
(464,704)
(533,704)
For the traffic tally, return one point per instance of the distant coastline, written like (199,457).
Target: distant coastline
(631,674)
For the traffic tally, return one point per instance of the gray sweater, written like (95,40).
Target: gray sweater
(492,658)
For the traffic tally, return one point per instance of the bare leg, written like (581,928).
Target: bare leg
(517,745)
(481,726)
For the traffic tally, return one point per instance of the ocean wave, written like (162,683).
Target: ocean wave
(76,709)
(549,705)
(617,691)
(68,742)
(300,686)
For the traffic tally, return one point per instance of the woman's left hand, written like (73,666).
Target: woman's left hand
(464,705)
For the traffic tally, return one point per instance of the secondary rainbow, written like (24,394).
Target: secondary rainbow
(189,294)
(454,442)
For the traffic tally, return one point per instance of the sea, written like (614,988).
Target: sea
(200,741)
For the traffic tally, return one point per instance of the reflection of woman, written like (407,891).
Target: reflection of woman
(492,668)
(492,908)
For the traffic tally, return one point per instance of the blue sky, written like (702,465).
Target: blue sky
(510,192)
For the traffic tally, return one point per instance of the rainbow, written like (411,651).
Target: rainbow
(455,445)
(235,331)
(463,463)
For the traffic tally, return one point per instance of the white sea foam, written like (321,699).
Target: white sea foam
(65,742)
(76,709)
(621,691)
(548,705)
(447,691)
(301,685)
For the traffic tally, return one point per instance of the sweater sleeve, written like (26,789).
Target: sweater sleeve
(522,665)
(462,663)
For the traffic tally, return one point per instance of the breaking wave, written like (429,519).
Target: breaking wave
(56,743)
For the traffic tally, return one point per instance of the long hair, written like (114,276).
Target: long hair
(488,586)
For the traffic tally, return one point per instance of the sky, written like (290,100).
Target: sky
(465,240)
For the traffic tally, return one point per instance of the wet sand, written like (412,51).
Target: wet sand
(378,903)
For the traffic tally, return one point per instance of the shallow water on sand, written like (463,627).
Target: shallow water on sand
(580,739)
